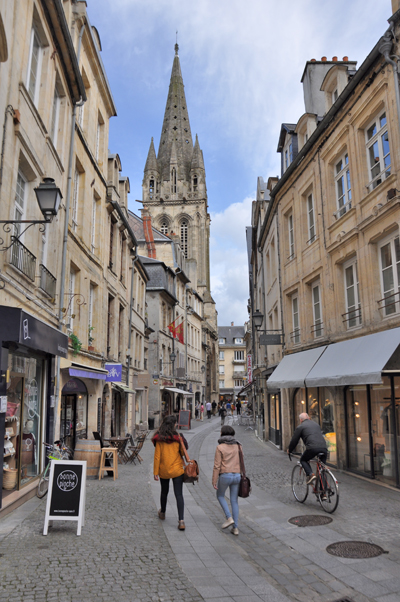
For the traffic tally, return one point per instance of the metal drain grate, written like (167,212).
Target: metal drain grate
(344,600)
(310,520)
(355,549)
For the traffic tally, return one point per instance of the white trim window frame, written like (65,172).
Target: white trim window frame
(389,260)
(91,304)
(221,369)
(222,355)
(295,319)
(239,356)
(222,384)
(310,218)
(75,200)
(352,294)
(317,327)
(20,202)
(342,185)
(34,66)
(45,237)
(98,141)
(378,150)
(291,235)
(93,230)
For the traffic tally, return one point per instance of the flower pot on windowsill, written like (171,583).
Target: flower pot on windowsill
(91,348)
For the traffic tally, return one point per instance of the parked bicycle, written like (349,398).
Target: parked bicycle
(325,487)
(57,451)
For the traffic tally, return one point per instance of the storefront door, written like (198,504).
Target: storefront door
(274,403)
(74,400)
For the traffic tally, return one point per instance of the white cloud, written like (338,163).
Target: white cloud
(229,277)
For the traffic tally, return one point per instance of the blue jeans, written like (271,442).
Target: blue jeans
(231,480)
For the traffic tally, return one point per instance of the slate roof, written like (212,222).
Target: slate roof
(229,333)
(136,223)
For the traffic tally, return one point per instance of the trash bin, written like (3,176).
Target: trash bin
(151,424)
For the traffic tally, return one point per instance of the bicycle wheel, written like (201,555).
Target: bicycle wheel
(330,503)
(43,484)
(299,483)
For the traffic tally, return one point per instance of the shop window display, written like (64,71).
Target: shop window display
(358,429)
(327,422)
(383,431)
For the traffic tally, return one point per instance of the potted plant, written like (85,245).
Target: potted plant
(90,338)
(76,343)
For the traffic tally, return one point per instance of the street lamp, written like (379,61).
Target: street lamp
(172,357)
(258,319)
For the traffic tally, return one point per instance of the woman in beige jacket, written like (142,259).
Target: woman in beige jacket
(226,474)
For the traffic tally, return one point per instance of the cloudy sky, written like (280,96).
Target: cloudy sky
(241,63)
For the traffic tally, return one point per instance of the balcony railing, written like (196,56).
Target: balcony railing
(23,260)
(47,281)
(390,304)
(353,317)
(295,336)
(317,329)
(342,210)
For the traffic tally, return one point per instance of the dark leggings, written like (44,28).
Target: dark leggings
(177,482)
(309,454)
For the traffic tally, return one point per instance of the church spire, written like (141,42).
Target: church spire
(176,127)
(151,163)
(197,159)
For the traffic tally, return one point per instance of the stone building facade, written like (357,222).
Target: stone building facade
(335,213)
(232,361)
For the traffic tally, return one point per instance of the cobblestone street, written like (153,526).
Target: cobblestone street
(126,553)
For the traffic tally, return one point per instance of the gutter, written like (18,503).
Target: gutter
(122,216)
(321,128)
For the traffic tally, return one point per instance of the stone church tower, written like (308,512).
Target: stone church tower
(174,188)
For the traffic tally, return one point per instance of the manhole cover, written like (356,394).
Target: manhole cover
(310,520)
(355,549)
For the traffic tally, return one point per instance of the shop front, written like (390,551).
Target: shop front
(352,390)
(28,349)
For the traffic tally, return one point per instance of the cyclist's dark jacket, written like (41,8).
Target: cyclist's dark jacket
(311,434)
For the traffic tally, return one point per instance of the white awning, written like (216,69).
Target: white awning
(293,369)
(358,361)
(174,390)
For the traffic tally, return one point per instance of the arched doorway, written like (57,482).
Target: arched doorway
(74,412)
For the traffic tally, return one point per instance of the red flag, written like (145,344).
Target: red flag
(172,328)
(179,333)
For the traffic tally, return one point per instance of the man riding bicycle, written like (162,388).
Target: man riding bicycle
(311,434)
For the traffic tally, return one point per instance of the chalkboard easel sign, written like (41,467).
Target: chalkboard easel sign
(184,419)
(67,493)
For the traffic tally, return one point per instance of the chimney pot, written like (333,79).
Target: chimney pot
(312,61)
(345,59)
(334,59)
(232,324)
(323,59)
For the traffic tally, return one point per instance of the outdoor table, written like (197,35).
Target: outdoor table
(119,443)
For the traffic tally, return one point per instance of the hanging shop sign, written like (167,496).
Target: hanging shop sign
(67,493)
(249,368)
(271,339)
(114,373)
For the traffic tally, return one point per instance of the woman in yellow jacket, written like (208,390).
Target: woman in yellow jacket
(168,464)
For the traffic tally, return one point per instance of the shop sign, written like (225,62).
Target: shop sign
(3,404)
(249,368)
(67,493)
(155,382)
(167,383)
(114,373)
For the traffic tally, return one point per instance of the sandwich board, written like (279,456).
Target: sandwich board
(67,493)
(184,419)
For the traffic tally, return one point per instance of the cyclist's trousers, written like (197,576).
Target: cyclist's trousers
(309,454)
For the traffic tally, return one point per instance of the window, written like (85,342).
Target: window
(343,186)
(239,382)
(20,201)
(222,355)
(91,303)
(111,250)
(34,66)
(55,114)
(291,236)
(390,276)
(173,180)
(99,138)
(75,199)
(334,95)
(43,255)
(378,151)
(164,227)
(295,320)
(317,328)
(81,114)
(290,153)
(221,384)
(353,306)
(221,369)
(70,300)
(239,356)
(195,180)
(238,341)
(286,159)
(93,232)
(222,341)
(184,238)
(310,217)
(97,141)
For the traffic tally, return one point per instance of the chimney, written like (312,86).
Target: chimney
(148,233)
(334,59)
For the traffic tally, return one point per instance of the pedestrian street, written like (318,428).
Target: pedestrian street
(125,553)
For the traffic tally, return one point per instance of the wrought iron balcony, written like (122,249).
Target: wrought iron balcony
(390,304)
(317,329)
(47,281)
(353,317)
(23,259)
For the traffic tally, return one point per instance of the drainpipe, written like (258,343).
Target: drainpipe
(65,238)
(385,47)
(134,260)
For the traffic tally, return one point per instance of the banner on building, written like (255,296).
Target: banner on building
(176,331)
(249,368)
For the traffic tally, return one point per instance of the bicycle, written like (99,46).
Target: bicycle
(325,487)
(57,451)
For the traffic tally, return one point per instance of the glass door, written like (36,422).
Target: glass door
(383,425)
(67,427)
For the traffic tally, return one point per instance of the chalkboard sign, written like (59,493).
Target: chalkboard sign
(67,491)
(184,419)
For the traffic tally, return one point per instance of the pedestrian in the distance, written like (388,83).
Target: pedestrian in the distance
(222,413)
(168,464)
(238,407)
(201,411)
(208,408)
(196,411)
(226,473)
(228,407)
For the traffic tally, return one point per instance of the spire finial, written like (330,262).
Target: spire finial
(176,45)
